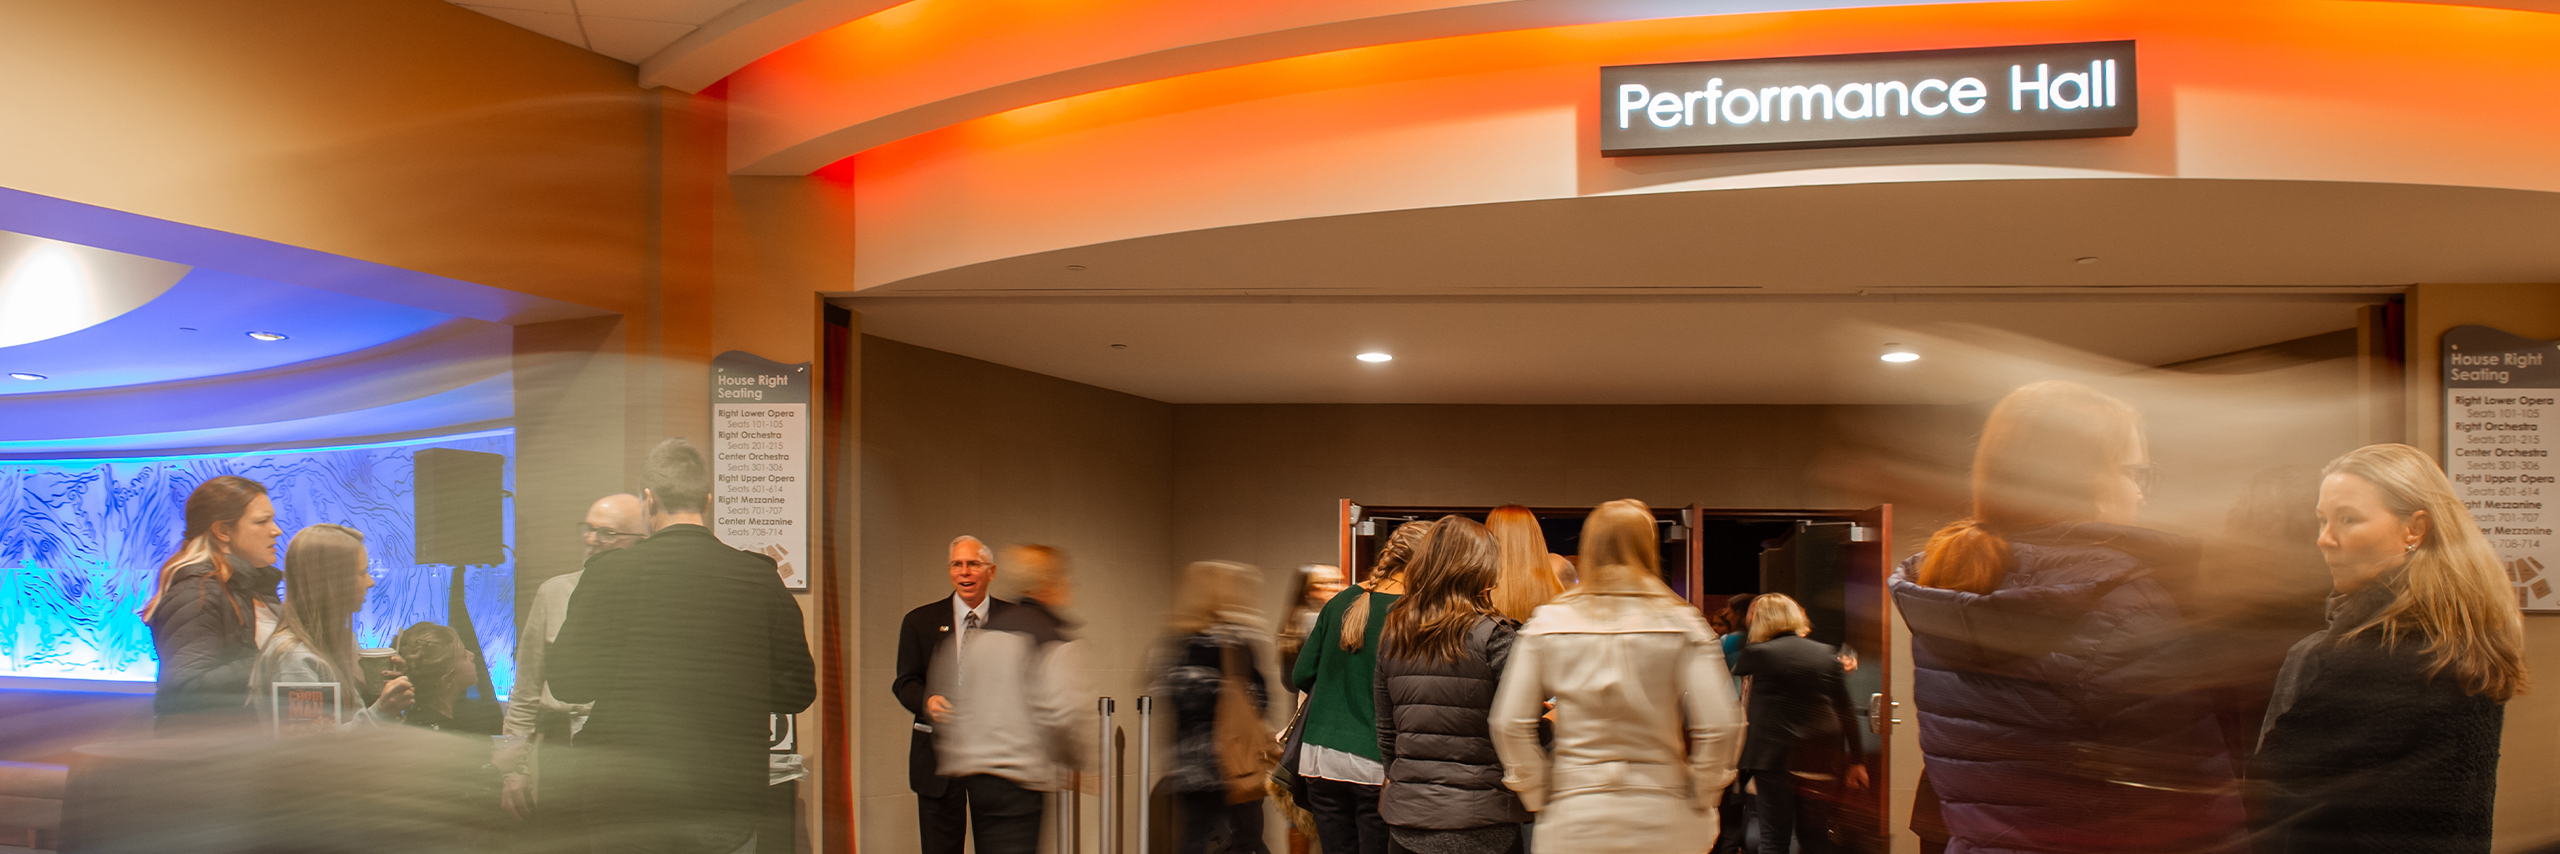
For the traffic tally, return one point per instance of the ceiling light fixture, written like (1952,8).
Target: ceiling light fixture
(1375,357)
(25,376)
(1895,353)
(2085,260)
(267,336)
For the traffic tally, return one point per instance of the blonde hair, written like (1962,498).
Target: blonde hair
(1523,581)
(1036,569)
(1775,614)
(2456,594)
(1391,560)
(1621,554)
(323,589)
(2044,453)
(1215,593)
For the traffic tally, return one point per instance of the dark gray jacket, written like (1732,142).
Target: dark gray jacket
(1435,735)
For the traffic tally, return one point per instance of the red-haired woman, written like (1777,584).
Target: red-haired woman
(214,605)
(2055,710)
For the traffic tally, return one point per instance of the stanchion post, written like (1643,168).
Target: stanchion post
(1109,800)
(1146,766)
(1067,806)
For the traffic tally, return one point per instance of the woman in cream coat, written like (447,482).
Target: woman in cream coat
(1646,727)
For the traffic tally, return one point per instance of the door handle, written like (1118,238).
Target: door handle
(1880,719)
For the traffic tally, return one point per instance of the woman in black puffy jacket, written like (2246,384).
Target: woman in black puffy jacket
(215,603)
(1439,663)
(2060,709)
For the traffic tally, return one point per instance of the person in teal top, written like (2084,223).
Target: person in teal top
(1337,669)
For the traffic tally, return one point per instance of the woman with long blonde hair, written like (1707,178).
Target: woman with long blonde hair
(1214,624)
(2384,731)
(1646,728)
(1525,580)
(2059,711)
(315,641)
(1339,755)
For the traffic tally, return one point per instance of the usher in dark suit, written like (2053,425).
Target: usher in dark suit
(685,645)
(942,805)
(1800,722)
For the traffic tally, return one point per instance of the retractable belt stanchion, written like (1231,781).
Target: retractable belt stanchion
(1067,805)
(1109,800)
(1146,765)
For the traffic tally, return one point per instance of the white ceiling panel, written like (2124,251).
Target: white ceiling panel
(629,39)
(558,25)
(628,30)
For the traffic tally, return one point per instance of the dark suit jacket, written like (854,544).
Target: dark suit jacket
(684,645)
(1799,712)
(921,635)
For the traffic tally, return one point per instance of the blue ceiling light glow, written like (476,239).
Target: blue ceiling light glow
(268,336)
(25,376)
(136,348)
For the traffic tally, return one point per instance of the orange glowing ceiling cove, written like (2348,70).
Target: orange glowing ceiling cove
(2326,31)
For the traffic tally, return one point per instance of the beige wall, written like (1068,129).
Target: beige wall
(2529,770)
(406,132)
(421,135)
(951,446)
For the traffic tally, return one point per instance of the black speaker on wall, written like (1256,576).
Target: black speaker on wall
(459,516)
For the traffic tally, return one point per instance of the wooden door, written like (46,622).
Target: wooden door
(1870,632)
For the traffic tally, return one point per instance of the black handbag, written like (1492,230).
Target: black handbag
(1287,786)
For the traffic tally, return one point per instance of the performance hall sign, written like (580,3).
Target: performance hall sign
(2046,91)
(2501,422)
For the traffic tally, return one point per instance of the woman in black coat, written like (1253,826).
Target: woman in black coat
(1440,661)
(1802,733)
(214,605)
(2383,733)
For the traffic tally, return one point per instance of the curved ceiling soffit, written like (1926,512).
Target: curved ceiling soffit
(759,28)
(450,355)
(1836,241)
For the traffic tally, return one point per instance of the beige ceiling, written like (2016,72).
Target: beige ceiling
(1777,295)
(628,30)
(1597,350)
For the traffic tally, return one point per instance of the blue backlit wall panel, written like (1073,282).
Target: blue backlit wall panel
(80,541)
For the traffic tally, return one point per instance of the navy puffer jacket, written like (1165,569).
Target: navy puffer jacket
(2058,713)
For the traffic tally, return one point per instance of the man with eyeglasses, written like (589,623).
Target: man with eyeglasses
(538,725)
(937,637)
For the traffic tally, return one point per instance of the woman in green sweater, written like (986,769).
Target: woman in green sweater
(1340,757)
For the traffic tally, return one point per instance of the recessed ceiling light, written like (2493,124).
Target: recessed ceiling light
(2085,259)
(1075,268)
(25,376)
(1895,353)
(186,329)
(1119,346)
(267,336)
(1375,357)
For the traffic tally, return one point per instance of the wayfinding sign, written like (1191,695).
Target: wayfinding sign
(2044,91)
(2501,424)
(760,460)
